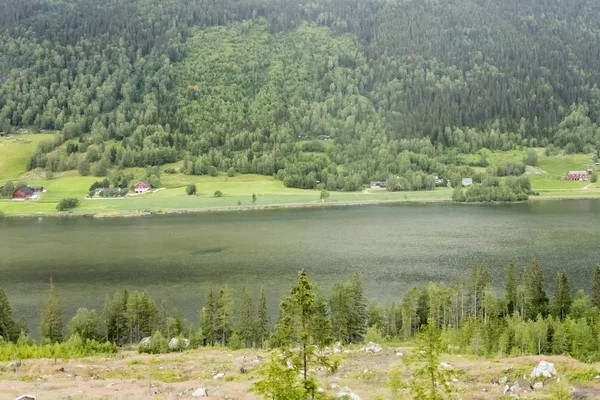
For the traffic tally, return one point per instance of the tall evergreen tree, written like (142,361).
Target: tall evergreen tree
(538,301)
(357,316)
(596,287)
(511,288)
(262,323)
(8,328)
(208,318)
(247,321)
(114,318)
(339,305)
(224,314)
(304,324)
(561,302)
(51,325)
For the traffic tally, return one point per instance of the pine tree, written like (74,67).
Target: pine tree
(511,288)
(537,299)
(262,324)
(304,325)
(596,287)
(8,328)
(339,305)
(114,317)
(208,318)
(357,316)
(429,380)
(561,303)
(247,319)
(224,313)
(51,325)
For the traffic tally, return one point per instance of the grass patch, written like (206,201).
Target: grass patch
(15,152)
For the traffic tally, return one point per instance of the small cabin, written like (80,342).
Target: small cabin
(467,181)
(378,184)
(23,193)
(324,137)
(142,187)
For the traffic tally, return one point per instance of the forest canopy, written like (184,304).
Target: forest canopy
(391,89)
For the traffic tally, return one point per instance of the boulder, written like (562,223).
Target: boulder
(545,369)
(538,385)
(219,375)
(503,380)
(506,389)
(174,343)
(372,348)
(26,397)
(146,341)
(200,392)
(346,393)
(337,348)
(446,365)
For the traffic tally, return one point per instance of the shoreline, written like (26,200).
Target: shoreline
(268,207)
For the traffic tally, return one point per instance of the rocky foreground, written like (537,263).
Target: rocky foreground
(225,374)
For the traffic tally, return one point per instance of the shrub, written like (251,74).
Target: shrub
(218,193)
(67,204)
(158,345)
(231,172)
(594,178)
(191,190)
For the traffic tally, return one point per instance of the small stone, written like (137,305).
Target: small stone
(219,375)
(538,385)
(201,392)
(399,354)
(503,380)
(506,389)
(26,397)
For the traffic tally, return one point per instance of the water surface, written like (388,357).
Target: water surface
(393,246)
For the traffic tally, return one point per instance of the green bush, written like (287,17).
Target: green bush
(67,204)
(191,190)
(74,347)
(218,193)
(594,178)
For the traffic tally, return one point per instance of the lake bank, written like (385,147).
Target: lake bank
(274,206)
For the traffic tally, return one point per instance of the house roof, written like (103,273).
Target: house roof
(142,183)
(24,190)
(578,172)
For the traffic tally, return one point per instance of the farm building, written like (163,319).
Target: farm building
(578,175)
(467,181)
(23,193)
(378,184)
(142,187)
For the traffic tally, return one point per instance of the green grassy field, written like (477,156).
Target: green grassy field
(547,178)
(15,151)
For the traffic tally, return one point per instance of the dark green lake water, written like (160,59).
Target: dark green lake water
(393,246)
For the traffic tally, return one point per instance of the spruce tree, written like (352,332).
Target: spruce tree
(357,315)
(8,328)
(262,324)
(247,319)
(537,299)
(511,288)
(596,287)
(51,324)
(339,305)
(224,314)
(302,328)
(208,318)
(114,317)
(561,303)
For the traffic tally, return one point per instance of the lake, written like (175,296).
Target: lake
(394,247)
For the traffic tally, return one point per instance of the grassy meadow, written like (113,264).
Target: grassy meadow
(547,178)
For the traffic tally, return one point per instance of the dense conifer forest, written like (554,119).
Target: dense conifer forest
(324,93)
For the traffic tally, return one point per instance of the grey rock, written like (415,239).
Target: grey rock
(26,397)
(538,385)
(201,392)
(346,393)
(146,341)
(545,369)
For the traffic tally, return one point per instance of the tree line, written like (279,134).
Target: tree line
(243,85)
(474,317)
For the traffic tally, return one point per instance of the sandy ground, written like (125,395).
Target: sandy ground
(129,375)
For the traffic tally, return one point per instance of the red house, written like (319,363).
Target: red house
(578,175)
(142,187)
(23,193)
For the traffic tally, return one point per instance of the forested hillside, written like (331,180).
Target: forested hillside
(397,88)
